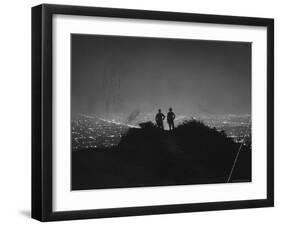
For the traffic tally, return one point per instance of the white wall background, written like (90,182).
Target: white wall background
(15,113)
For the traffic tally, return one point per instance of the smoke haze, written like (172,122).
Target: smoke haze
(117,74)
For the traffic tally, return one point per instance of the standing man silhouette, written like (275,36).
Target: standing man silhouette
(159,118)
(170,119)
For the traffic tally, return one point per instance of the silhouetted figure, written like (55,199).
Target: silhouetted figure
(159,118)
(170,119)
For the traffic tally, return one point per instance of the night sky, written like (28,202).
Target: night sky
(117,74)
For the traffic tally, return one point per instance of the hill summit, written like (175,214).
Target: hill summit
(192,153)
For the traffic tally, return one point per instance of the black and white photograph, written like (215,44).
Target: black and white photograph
(143,112)
(149,111)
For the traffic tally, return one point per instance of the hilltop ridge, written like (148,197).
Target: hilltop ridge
(191,154)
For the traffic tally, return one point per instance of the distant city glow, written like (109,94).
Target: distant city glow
(91,132)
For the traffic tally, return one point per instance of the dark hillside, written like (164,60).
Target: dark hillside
(191,154)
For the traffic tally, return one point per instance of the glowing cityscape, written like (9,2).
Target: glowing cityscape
(91,132)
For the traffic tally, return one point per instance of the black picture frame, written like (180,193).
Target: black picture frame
(42,111)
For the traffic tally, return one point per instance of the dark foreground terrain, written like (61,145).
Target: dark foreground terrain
(191,154)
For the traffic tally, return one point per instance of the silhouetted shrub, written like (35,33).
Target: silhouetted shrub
(147,125)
